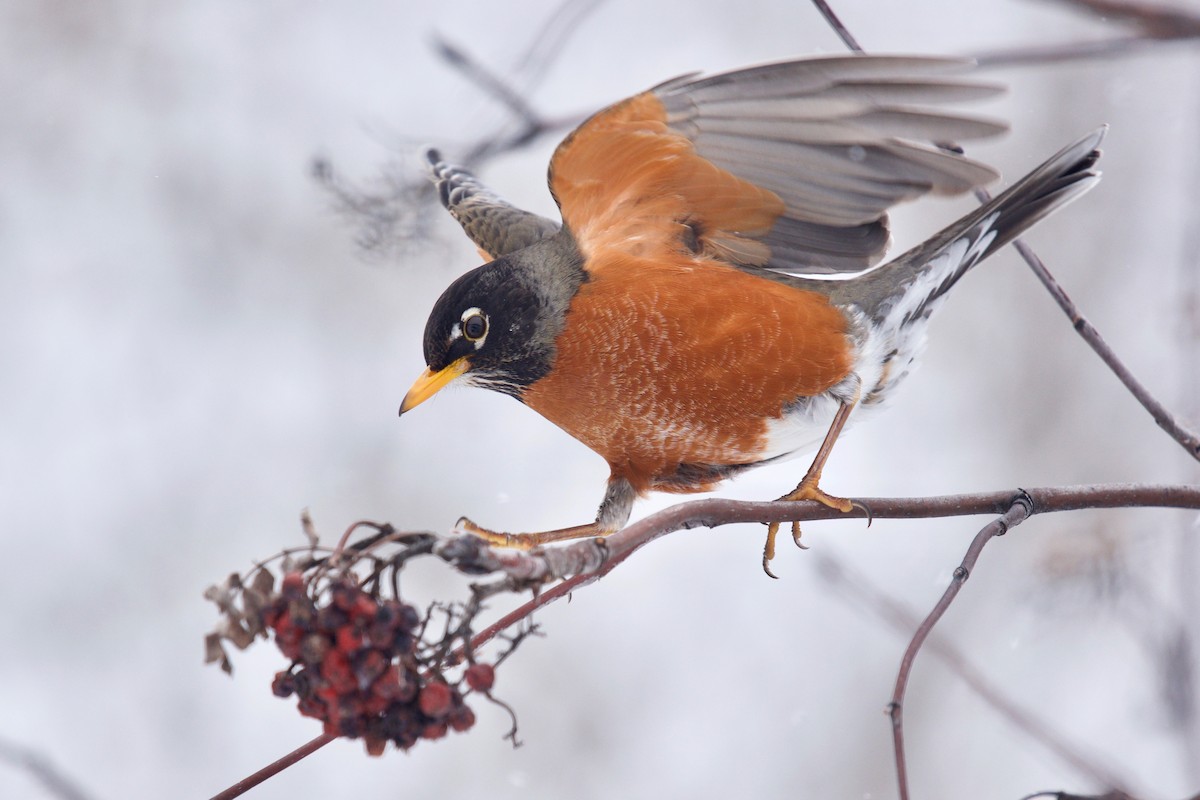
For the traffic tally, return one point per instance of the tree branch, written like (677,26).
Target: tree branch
(1155,23)
(1187,438)
(1018,512)
(582,563)
(715,512)
(274,768)
(855,586)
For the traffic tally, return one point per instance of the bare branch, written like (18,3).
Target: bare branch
(1186,438)
(1068,51)
(589,560)
(394,211)
(546,44)
(1157,21)
(715,512)
(836,23)
(488,81)
(274,768)
(1018,512)
(1154,24)
(855,586)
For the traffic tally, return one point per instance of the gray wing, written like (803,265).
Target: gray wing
(495,226)
(911,286)
(840,140)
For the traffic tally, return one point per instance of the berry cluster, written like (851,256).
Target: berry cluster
(356,666)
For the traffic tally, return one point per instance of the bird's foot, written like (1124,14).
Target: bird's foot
(807,490)
(528,541)
(515,541)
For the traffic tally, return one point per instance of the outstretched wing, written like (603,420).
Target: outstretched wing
(494,225)
(788,166)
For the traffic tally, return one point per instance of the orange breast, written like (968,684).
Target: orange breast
(661,365)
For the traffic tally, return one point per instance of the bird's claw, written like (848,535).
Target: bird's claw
(807,490)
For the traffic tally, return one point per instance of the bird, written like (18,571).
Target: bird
(713,299)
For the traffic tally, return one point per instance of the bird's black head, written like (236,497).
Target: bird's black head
(494,327)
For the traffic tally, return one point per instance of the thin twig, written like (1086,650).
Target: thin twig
(274,768)
(1155,24)
(1020,510)
(1130,44)
(488,81)
(1186,438)
(1156,20)
(841,30)
(855,586)
(548,41)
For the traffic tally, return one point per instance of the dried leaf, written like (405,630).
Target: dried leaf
(310,530)
(214,651)
(233,630)
(224,594)
(263,582)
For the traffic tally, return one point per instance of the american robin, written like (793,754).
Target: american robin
(709,303)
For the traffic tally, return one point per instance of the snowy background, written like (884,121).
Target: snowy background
(194,349)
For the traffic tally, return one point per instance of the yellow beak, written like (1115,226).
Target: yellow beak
(430,383)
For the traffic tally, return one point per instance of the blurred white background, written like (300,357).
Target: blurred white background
(194,350)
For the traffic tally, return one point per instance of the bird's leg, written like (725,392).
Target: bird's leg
(808,488)
(613,514)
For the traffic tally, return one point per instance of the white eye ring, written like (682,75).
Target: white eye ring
(471,319)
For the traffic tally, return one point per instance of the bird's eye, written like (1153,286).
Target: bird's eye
(475,327)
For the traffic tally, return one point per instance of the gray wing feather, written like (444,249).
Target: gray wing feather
(840,140)
(494,225)
(885,293)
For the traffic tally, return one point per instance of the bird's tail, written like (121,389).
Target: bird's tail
(909,288)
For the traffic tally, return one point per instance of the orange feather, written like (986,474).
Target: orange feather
(624,180)
(684,361)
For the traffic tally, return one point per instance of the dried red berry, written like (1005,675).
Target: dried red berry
(336,669)
(349,641)
(351,727)
(403,724)
(345,595)
(434,731)
(375,745)
(376,704)
(480,677)
(273,611)
(381,635)
(313,648)
(350,706)
(330,618)
(292,586)
(369,666)
(462,718)
(388,684)
(410,684)
(312,707)
(409,618)
(288,638)
(284,684)
(364,608)
(303,614)
(435,699)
